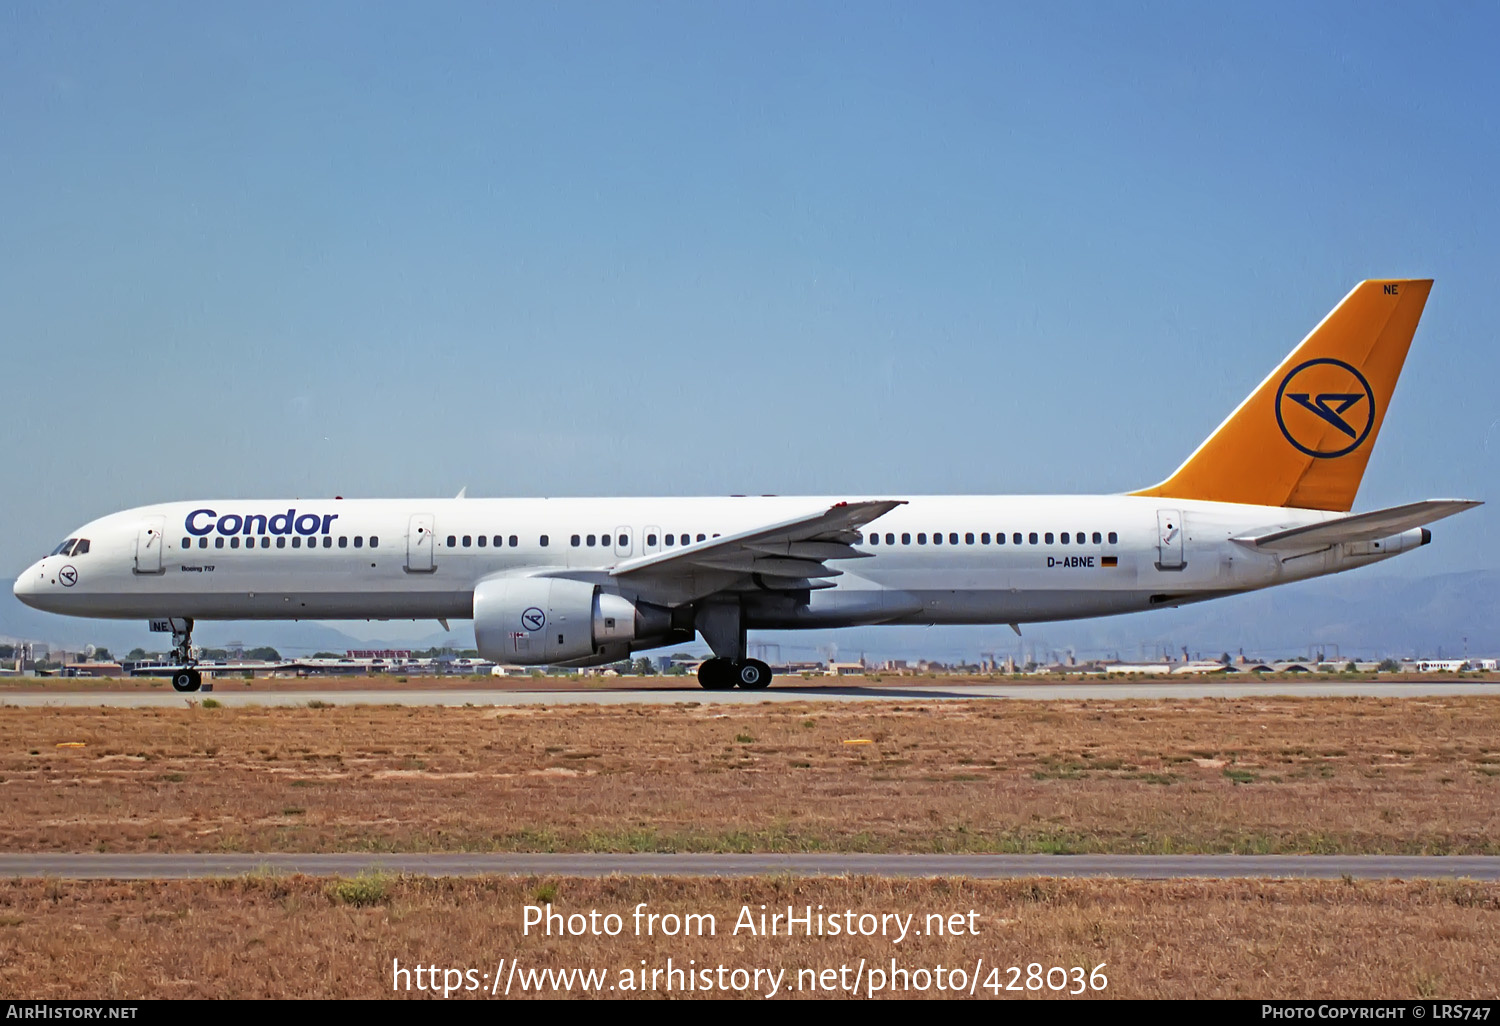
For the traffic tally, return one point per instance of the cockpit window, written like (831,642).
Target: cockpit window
(80,548)
(64,548)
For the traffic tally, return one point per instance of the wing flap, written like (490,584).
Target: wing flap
(1380,523)
(777,566)
(814,550)
(790,551)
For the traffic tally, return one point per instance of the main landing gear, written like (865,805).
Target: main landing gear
(722,625)
(723,674)
(187,678)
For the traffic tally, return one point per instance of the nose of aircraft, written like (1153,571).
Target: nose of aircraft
(27,584)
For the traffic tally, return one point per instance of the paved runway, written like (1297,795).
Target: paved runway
(236,694)
(992,867)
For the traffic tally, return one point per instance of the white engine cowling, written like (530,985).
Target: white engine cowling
(538,620)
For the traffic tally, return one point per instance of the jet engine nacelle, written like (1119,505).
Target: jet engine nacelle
(539,620)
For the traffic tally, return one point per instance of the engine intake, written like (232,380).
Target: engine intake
(538,620)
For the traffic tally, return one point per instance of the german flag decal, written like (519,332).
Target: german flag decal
(1109,560)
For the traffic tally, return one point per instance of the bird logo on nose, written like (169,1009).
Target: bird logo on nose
(68,576)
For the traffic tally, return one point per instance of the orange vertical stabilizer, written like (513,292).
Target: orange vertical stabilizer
(1304,436)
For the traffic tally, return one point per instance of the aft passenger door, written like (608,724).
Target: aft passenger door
(1169,539)
(148,545)
(420,545)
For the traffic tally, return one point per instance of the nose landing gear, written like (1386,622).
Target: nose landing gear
(187,678)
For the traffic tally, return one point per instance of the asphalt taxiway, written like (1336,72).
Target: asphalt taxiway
(236,694)
(156,866)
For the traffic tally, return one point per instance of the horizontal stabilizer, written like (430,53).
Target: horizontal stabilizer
(1380,523)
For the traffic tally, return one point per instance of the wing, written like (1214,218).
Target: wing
(1381,523)
(786,556)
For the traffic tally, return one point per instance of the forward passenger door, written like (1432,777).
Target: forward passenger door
(148,545)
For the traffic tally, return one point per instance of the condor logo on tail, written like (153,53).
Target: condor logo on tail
(1320,395)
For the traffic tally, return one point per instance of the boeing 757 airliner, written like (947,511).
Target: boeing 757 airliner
(1264,500)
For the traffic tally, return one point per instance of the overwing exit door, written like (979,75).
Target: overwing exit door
(420,545)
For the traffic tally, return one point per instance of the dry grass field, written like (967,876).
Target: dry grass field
(1250,776)
(301,937)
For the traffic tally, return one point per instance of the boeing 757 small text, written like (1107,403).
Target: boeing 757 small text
(1265,500)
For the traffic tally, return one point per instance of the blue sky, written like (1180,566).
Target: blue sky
(570,249)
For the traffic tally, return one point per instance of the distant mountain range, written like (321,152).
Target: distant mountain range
(1349,614)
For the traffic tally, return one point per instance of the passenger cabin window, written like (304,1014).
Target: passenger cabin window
(328,541)
(890,539)
(575,541)
(265,542)
(344,541)
(953,538)
(359,541)
(543,541)
(483,541)
(969,538)
(984,539)
(1065,537)
(1049,538)
(1031,538)
(650,539)
(921,538)
(905,538)
(203,543)
(1097,539)
(701,537)
(296,542)
(234,542)
(452,541)
(670,539)
(514,541)
(1113,538)
(937,538)
(219,542)
(468,540)
(589,541)
(187,543)
(281,541)
(874,539)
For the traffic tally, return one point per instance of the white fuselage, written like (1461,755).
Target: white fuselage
(1062,557)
